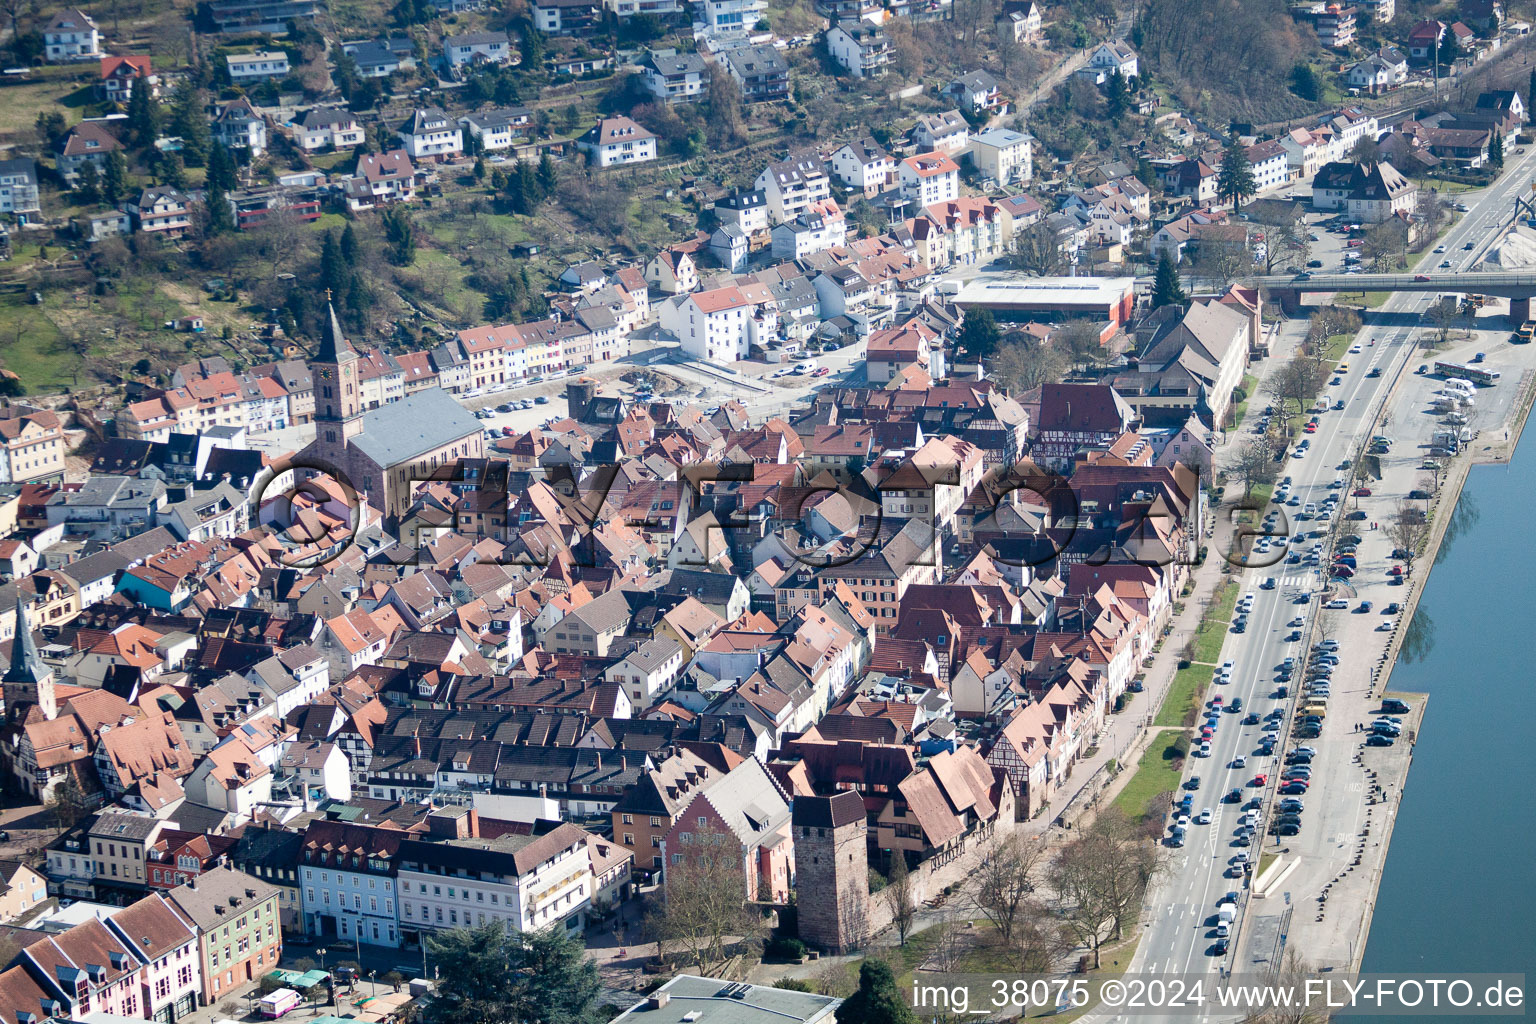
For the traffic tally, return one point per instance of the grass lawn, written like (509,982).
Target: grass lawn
(1157,773)
(1337,345)
(1115,960)
(30,347)
(1213,628)
(1264,862)
(1453,187)
(1182,695)
(19,104)
(1250,386)
(1370,300)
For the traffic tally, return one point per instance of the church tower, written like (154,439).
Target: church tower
(337,374)
(28,681)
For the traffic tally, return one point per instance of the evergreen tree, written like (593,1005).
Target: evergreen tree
(88,185)
(1496,150)
(1167,289)
(517,191)
(349,246)
(221,219)
(1304,82)
(979,334)
(401,235)
(171,170)
(1530,95)
(1236,180)
(490,973)
(143,118)
(221,168)
(1145,172)
(549,176)
(531,187)
(190,123)
(335,275)
(114,179)
(533,48)
(878,1000)
(1116,94)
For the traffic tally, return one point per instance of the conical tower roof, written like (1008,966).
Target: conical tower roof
(334,346)
(26,665)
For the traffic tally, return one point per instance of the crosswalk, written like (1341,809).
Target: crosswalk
(1295,581)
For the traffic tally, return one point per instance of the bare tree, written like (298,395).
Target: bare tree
(1079,341)
(1101,879)
(1038,939)
(1037,249)
(1285,245)
(1295,381)
(1004,880)
(704,901)
(901,892)
(1254,463)
(1022,363)
(949,945)
(1222,262)
(1443,313)
(1408,529)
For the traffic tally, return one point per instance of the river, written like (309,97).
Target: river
(1457,893)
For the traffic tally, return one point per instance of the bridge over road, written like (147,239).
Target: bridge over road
(1519,286)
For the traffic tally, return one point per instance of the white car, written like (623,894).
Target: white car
(1337,602)
(1239,762)
(1204,817)
(1227,667)
(1354,350)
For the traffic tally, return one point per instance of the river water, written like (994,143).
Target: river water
(1457,893)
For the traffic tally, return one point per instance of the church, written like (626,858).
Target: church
(382,452)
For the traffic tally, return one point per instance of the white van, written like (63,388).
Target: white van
(278,1003)
(805,366)
(1460,384)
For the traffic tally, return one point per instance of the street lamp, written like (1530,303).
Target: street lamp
(373,986)
(321,953)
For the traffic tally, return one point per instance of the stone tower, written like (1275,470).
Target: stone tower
(28,681)
(337,374)
(831,871)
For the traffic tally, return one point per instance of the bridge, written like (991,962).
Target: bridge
(1519,286)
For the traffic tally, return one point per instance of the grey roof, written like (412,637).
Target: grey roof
(670,62)
(110,824)
(749,801)
(428,119)
(216,897)
(712,1001)
(605,613)
(476,38)
(26,666)
(751,61)
(416,424)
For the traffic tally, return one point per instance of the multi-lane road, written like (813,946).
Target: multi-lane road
(1178,937)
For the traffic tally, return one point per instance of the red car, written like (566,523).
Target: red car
(1361,492)
(1421,277)
(1396,570)
(822,372)
(1310,428)
(507,432)
(1216,699)
(1342,571)
(1259,780)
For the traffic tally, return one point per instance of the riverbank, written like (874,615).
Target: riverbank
(1334,906)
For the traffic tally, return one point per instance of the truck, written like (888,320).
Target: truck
(276,1004)
(1524,332)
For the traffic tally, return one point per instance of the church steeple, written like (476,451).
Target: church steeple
(338,384)
(27,680)
(334,346)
